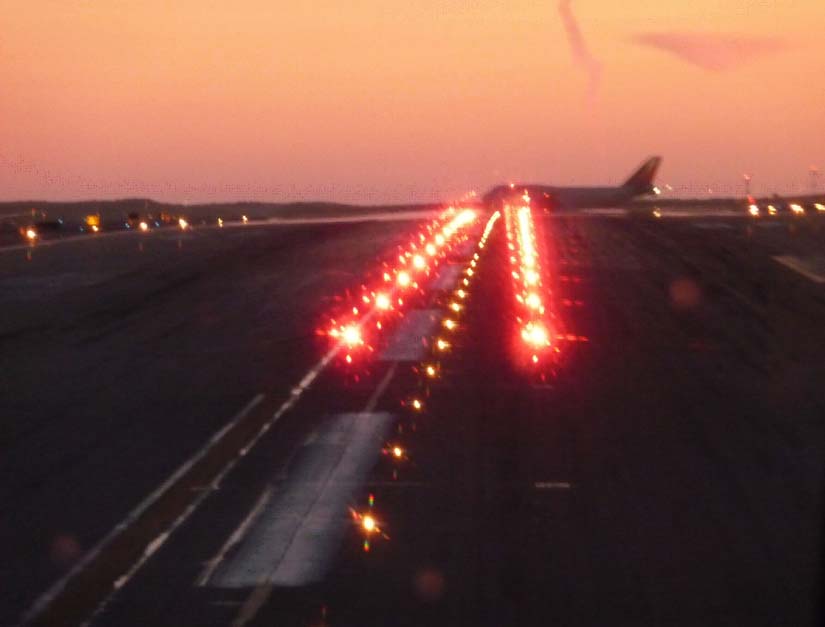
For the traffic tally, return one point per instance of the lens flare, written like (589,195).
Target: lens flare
(351,335)
(368,523)
(382,302)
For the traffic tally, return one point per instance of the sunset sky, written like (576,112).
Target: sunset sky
(381,101)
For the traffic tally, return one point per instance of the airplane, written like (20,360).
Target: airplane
(569,198)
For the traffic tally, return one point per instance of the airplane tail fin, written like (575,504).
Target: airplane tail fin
(642,179)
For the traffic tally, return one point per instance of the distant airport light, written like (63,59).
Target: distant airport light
(753,210)
(183,224)
(220,222)
(797,209)
(419,262)
(95,228)
(657,213)
(143,226)
(31,234)
(430,249)
(244,219)
(772,210)
(819,206)
(403,279)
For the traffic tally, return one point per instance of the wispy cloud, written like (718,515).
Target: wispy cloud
(712,51)
(578,47)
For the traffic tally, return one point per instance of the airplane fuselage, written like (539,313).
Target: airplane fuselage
(562,198)
(555,198)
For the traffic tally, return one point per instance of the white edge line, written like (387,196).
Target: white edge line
(793,263)
(47,597)
(158,542)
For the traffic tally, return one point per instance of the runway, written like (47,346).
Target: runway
(184,448)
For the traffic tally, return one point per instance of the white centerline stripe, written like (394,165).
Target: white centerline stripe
(379,391)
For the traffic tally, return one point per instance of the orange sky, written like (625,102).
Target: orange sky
(377,101)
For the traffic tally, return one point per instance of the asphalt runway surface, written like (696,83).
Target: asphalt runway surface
(180,447)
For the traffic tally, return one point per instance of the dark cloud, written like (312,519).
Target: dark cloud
(712,51)
(578,47)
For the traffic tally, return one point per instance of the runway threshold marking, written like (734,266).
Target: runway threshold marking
(799,265)
(239,534)
(55,595)
(262,592)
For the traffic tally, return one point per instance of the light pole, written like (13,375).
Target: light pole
(814,173)
(747,178)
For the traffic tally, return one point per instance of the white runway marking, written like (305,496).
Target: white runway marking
(379,391)
(712,226)
(293,540)
(235,539)
(407,343)
(389,216)
(261,593)
(47,597)
(447,278)
(604,211)
(802,266)
(552,485)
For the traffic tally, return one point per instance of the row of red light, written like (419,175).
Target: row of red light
(450,323)
(378,304)
(429,371)
(528,285)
